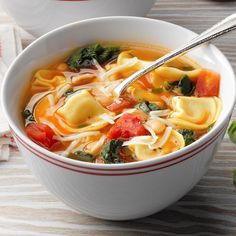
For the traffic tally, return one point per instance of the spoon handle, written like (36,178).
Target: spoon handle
(226,25)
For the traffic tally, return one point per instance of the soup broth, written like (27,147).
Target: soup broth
(73,112)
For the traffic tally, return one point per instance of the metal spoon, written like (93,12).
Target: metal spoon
(221,28)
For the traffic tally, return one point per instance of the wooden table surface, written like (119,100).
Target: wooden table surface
(27,208)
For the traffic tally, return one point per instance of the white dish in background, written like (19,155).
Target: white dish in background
(116,191)
(40,16)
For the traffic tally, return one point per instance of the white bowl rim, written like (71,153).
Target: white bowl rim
(122,166)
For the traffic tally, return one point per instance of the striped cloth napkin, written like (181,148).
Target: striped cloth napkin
(10,47)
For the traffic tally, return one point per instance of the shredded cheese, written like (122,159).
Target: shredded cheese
(51,125)
(99,68)
(70,75)
(108,84)
(163,121)
(51,100)
(99,143)
(105,91)
(159,113)
(35,99)
(51,110)
(154,136)
(117,69)
(124,112)
(61,90)
(145,140)
(70,148)
(163,139)
(118,100)
(108,118)
(80,147)
(113,84)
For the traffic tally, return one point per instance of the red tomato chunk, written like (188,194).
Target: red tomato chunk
(127,102)
(41,134)
(208,84)
(126,127)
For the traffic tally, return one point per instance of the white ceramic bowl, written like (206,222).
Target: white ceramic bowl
(40,16)
(123,191)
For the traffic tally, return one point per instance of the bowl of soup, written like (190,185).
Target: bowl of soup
(40,16)
(118,158)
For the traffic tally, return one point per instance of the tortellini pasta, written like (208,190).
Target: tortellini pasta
(126,65)
(47,80)
(195,113)
(81,112)
(80,109)
(170,74)
(140,94)
(174,143)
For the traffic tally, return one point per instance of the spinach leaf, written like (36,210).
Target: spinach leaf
(84,56)
(111,150)
(189,136)
(82,156)
(169,86)
(69,92)
(146,106)
(186,86)
(232,131)
(28,115)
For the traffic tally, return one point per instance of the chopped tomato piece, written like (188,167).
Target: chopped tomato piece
(126,127)
(41,134)
(126,102)
(208,84)
(145,82)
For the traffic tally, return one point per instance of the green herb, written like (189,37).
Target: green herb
(189,136)
(84,56)
(146,106)
(168,86)
(82,156)
(186,86)
(234,177)
(232,131)
(111,151)
(157,90)
(69,92)
(210,126)
(28,115)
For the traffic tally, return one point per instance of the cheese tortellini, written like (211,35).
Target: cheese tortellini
(80,108)
(195,113)
(174,143)
(170,74)
(47,80)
